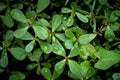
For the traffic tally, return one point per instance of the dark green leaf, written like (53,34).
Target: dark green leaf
(13,77)
(56,21)
(102,2)
(75,68)
(4,60)
(66,10)
(47,64)
(82,18)
(46,73)
(9,35)
(42,4)
(18,15)
(41,32)
(31,66)
(19,75)
(43,22)
(18,53)
(86,38)
(113,17)
(29,47)
(38,70)
(7,21)
(27,36)
(2,6)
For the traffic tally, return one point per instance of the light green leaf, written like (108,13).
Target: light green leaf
(58,49)
(42,4)
(82,18)
(109,34)
(9,35)
(66,10)
(18,53)
(75,69)
(60,36)
(43,22)
(102,2)
(59,66)
(2,6)
(74,51)
(27,36)
(18,15)
(46,73)
(56,21)
(4,59)
(41,32)
(68,43)
(86,38)
(46,47)
(106,59)
(31,66)
(29,46)
(38,70)
(116,76)
(35,56)
(31,15)
(70,21)
(7,20)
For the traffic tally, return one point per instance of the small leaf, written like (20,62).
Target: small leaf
(43,22)
(59,66)
(55,75)
(86,38)
(56,21)
(109,34)
(102,2)
(41,32)
(27,36)
(58,49)
(82,18)
(42,4)
(116,76)
(38,70)
(7,20)
(74,52)
(60,36)
(31,15)
(113,16)
(106,58)
(47,64)
(9,35)
(18,15)
(13,77)
(66,10)
(75,68)
(18,53)
(68,43)
(31,66)
(46,73)
(29,46)
(19,75)
(70,21)
(36,55)
(4,60)
(2,6)
(46,47)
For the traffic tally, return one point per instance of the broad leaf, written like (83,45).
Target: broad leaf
(82,18)
(61,36)
(116,76)
(42,4)
(86,38)
(75,69)
(27,36)
(106,58)
(66,10)
(43,22)
(58,49)
(59,66)
(9,35)
(41,32)
(18,53)
(18,15)
(46,73)
(68,43)
(29,47)
(7,20)
(56,21)
(4,59)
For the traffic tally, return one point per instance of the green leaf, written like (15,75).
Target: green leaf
(27,36)
(68,43)
(82,18)
(109,34)
(29,47)
(35,56)
(47,64)
(7,20)
(31,66)
(56,21)
(59,66)
(31,15)
(19,75)
(55,75)
(58,49)
(60,36)
(102,2)
(106,59)
(41,32)
(75,68)
(66,10)
(4,60)
(18,53)
(9,35)
(74,52)
(46,73)
(116,76)
(86,38)
(113,16)
(43,22)
(70,21)
(2,6)
(38,70)
(13,77)
(42,4)
(46,47)
(18,15)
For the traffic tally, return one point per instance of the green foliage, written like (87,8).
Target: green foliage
(60,39)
